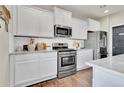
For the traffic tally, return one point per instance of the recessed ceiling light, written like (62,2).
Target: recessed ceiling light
(106,11)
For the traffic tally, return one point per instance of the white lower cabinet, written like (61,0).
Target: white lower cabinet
(37,68)
(83,55)
(26,71)
(48,66)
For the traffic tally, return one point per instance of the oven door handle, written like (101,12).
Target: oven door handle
(67,55)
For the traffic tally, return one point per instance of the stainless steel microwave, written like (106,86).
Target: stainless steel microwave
(62,31)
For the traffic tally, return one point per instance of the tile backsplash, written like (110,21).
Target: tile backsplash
(20,41)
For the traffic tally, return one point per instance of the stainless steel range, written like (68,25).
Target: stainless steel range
(66,60)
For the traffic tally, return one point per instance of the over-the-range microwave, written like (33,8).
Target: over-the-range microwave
(62,31)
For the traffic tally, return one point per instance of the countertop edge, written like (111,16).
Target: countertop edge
(106,69)
(29,52)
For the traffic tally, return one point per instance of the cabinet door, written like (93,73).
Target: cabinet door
(26,72)
(27,21)
(62,17)
(46,24)
(79,29)
(93,25)
(58,14)
(48,64)
(82,57)
(48,67)
(104,24)
(75,28)
(67,18)
(84,30)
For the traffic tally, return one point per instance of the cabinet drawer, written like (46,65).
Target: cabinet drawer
(24,57)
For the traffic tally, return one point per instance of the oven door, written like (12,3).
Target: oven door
(66,62)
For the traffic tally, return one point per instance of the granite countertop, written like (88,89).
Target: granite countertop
(113,64)
(28,52)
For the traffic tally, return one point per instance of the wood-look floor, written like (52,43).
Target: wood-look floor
(82,78)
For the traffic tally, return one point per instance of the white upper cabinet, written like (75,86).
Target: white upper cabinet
(104,24)
(93,25)
(79,29)
(27,21)
(46,24)
(33,22)
(62,17)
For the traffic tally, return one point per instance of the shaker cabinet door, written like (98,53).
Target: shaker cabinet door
(79,29)
(63,17)
(27,21)
(26,72)
(48,64)
(82,57)
(48,67)
(93,25)
(46,24)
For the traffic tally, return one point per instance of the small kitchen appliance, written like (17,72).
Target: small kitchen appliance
(62,31)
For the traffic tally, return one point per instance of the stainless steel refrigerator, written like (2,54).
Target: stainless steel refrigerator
(98,42)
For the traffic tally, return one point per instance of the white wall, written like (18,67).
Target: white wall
(4,54)
(4,60)
(112,20)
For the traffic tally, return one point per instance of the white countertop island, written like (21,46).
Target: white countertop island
(108,72)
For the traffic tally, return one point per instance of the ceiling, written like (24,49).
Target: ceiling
(86,11)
